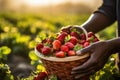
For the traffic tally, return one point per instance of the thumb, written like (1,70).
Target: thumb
(84,51)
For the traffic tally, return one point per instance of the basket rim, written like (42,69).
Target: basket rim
(65,59)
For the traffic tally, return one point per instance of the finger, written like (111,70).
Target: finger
(82,71)
(85,71)
(84,51)
(86,65)
(85,74)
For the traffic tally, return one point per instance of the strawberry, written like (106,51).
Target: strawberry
(90,39)
(90,34)
(46,50)
(71,53)
(61,36)
(86,44)
(41,76)
(49,41)
(60,54)
(82,41)
(85,78)
(74,34)
(36,78)
(56,44)
(44,41)
(73,40)
(96,39)
(64,48)
(39,47)
(82,36)
(70,45)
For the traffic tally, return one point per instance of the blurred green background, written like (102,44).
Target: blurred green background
(22,22)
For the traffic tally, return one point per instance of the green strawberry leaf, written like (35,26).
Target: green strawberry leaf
(53,77)
(75,30)
(77,47)
(47,44)
(67,38)
(92,39)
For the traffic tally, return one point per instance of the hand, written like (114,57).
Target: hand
(100,52)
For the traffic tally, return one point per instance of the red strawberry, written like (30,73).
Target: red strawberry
(64,48)
(56,44)
(61,36)
(82,36)
(90,34)
(96,39)
(82,41)
(39,47)
(86,44)
(41,76)
(85,78)
(36,78)
(46,50)
(71,53)
(70,45)
(75,34)
(49,41)
(44,41)
(73,40)
(60,54)
(91,39)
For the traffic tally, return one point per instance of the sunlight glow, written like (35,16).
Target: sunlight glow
(43,2)
(37,3)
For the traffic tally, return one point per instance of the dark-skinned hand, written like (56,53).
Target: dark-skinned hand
(100,52)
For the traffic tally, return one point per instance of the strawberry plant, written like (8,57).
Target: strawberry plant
(5,73)
(4,52)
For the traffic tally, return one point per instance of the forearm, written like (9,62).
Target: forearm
(114,44)
(96,22)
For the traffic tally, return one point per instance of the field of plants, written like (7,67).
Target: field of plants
(19,34)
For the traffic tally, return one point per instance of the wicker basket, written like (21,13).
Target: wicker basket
(61,67)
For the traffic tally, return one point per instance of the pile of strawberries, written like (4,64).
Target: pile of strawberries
(65,44)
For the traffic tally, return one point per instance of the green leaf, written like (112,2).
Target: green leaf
(33,56)
(40,68)
(53,77)
(77,47)
(67,38)
(5,50)
(42,35)
(32,44)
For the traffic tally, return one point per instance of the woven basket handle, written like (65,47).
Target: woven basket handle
(84,30)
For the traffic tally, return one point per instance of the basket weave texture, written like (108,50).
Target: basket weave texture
(61,67)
